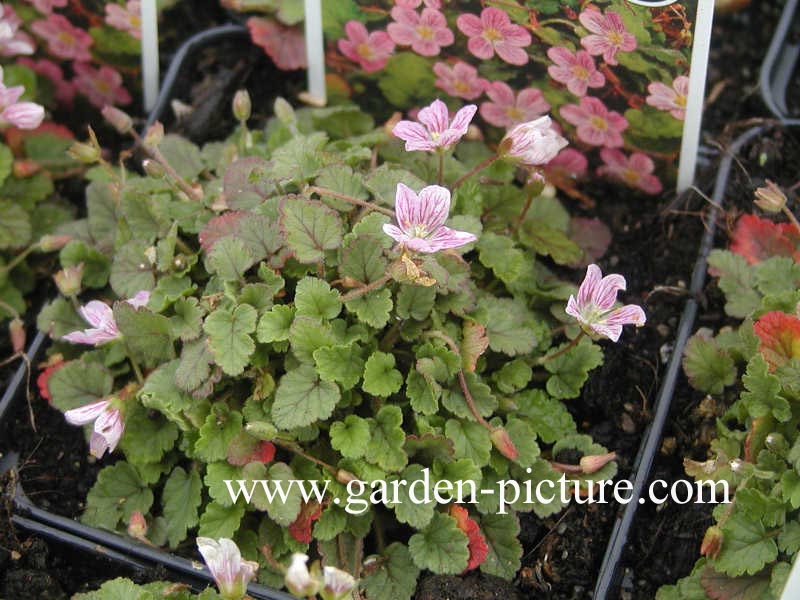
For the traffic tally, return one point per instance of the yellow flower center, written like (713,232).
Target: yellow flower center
(102,86)
(680,101)
(580,72)
(461,86)
(66,38)
(615,38)
(492,35)
(364,50)
(424,32)
(419,231)
(514,113)
(630,176)
(599,123)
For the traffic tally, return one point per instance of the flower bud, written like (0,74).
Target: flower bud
(25,115)
(154,135)
(16,330)
(25,168)
(137,526)
(776,443)
(535,185)
(231,573)
(770,198)
(262,430)
(242,106)
(502,441)
(51,243)
(712,542)
(345,477)
(594,462)
(297,579)
(68,280)
(85,153)
(153,169)
(118,119)
(531,144)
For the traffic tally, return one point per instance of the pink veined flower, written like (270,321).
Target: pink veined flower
(286,46)
(596,125)
(461,80)
(635,170)
(101,86)
(494,32)
(63,39)
(420,220)
(609,35)
(370,50)
(435,132)
(127,19)
(532,144)
(570,162)
(108,425)
(673,99)
(64,91)
(12,40)
(426,33)
(576,70)
(507,110)
(46,6)
(230,571)
(297,578)
(25,115)
(101,318)
(594,307)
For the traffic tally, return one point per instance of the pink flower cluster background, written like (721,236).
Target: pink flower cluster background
(51,37)
(612,75)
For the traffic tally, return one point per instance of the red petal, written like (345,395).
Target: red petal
(780,337)
(43,379)
(300,529)
(478,550)
(759,239)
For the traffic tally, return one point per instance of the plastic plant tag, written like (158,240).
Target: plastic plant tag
(613,74)
(150,74)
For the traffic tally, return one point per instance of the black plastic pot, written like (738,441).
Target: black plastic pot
(779,67)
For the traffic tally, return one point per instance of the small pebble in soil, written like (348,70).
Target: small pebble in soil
(663,330)
(668,445)
(627,423)
(665,352)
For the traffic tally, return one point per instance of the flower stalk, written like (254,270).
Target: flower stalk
(321,191)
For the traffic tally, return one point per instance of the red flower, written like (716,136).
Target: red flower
(284,45)
(780,338)
(478,550)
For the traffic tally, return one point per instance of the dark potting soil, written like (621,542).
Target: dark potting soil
(654,246)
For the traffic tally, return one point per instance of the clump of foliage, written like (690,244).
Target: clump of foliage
(756,366)
(274,331)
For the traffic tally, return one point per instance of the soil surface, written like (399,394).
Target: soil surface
(655,245)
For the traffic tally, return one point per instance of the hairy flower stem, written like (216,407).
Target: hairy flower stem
(350,199)
(568,347)
(790,215)
(18,258)
(367,288)
(440,176)
(296,450)
(194,193)
(134,365)
(523,214)
(462,380)
(479,167)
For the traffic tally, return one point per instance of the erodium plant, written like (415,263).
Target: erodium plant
(750,373)
(327,307)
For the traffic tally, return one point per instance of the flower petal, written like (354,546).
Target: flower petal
(85,414)
(433,207)
(435,116)
(97,313)
(446,238)
(405,201)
